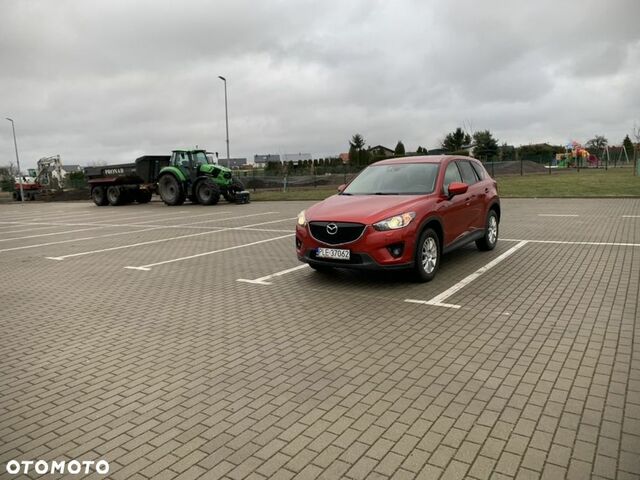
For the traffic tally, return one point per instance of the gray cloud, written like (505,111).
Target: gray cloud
(111,80)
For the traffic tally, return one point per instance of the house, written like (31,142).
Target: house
(381,151)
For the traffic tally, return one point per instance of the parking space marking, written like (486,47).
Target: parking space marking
(438,300)
(151,242)
(79,239)
(569,242)
(630,216)
(556,215)
(147,224)
(148,267)
(49,234)
(263,280)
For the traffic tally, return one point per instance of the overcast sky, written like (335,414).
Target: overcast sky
(112,80)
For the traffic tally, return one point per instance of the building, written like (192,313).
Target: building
(232,162)
(263,159)
(381,151)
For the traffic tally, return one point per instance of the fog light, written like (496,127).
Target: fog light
(298,243)
(396,249)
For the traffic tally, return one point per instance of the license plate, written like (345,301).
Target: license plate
(334,253)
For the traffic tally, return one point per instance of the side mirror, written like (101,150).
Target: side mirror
(457,188)
(342,187)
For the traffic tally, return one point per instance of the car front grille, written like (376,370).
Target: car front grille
(345,232)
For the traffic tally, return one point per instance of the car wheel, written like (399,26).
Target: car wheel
(490,238)
(427,256)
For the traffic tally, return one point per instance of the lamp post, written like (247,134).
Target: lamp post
(15,144)
(226,113)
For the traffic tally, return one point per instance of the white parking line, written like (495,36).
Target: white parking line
(148,267)
(49,234)
(568,242)
(151,242)
(439,299)
(77,239)
(147,224)
(630,216)
(263,280)
(556,215)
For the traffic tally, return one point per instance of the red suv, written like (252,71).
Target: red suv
(402,213)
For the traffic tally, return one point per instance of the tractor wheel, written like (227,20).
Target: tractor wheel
(171,190)
(207,192)
(143,196)
(235,187)
(114,195)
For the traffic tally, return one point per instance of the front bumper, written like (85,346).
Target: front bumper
(372,251)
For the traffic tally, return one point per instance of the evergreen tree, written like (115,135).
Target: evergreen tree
(486,146)
(455,141)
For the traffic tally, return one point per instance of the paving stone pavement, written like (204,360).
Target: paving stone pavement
(181,371)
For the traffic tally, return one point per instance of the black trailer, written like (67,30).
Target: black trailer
(127,182)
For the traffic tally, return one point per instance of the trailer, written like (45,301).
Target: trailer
(176,177)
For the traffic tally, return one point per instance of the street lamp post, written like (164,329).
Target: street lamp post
(15,144)
(226,113)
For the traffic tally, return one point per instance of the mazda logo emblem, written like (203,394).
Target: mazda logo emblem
(332,229)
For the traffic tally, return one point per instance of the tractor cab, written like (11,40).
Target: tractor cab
(196,163)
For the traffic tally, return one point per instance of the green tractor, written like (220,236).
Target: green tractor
(191,174)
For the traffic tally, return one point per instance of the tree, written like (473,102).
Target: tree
(598,143)
(399,149)
(627,144)
(357,142)
(357,155)
(455,141)
(486,146)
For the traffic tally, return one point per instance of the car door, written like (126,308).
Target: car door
(475,196)
(452,211)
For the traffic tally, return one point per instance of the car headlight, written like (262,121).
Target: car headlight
(302,219)
(395,222)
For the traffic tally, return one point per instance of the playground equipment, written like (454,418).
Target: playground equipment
(576,156)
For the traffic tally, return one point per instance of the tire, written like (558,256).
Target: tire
(114,195)
(491,230)
(207,192)
(427,256)
(230,194)
(143,196)
(171,191)
(16,196)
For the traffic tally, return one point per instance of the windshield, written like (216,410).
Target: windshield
(396,179)
(199,158)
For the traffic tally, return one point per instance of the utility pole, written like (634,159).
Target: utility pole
(15,144)
(226,113)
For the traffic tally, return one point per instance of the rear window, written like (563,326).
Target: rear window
(479,170)
(468,173)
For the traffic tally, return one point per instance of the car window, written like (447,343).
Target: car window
(468,173)
(479,170)
(395,179)
(451,174)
